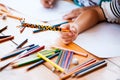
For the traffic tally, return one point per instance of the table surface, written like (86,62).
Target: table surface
(47,38)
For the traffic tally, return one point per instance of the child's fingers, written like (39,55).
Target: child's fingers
(66,41)
(47,3)
(65,26)
(67,36)
(69,16)
(73,14)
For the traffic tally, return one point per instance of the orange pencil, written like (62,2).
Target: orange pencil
(76,52)
(11,16)
(6,39)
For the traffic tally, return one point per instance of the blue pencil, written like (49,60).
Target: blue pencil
(69,60)
(57,25)
(64,59)
(90,68)
(41,61)
(16,52)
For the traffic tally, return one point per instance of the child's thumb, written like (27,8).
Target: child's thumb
(65,26)
(73,29)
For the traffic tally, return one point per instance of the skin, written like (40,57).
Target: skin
(48,3)
(82,22)
(81,18)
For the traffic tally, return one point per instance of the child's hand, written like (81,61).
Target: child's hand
(74,14)
(68,37)
(47,3)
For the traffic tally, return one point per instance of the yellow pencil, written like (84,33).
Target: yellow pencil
(52,63)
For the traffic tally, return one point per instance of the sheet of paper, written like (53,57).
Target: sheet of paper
(35,9)
(103,40)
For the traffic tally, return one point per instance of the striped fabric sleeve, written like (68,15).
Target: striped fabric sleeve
(112,11)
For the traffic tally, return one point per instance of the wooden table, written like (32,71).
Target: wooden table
(47,38)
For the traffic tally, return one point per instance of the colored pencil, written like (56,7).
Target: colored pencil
(11,16)
(64,59)
(33,51)
(76,52)
(57,25)
(52,63)
(90,68)
(20,45)
(1,37)
(35,59)
(61,59)
(69,60)
(23,51)
(41,61)
(44,52)
(16,52)
(44,27)
(22,29)
(6,39)
(59,56)
(77,68)
(1,30)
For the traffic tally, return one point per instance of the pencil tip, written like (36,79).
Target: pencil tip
(28,69)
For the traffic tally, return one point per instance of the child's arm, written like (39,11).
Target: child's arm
(90,16)
(85,20)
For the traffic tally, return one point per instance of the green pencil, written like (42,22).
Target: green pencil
(29,60)
(33,58)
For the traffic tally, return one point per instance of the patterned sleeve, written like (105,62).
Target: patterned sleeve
(112,10)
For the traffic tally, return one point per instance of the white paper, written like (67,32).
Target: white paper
(103,40)
(35,9)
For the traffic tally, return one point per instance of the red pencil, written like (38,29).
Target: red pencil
(67,60)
